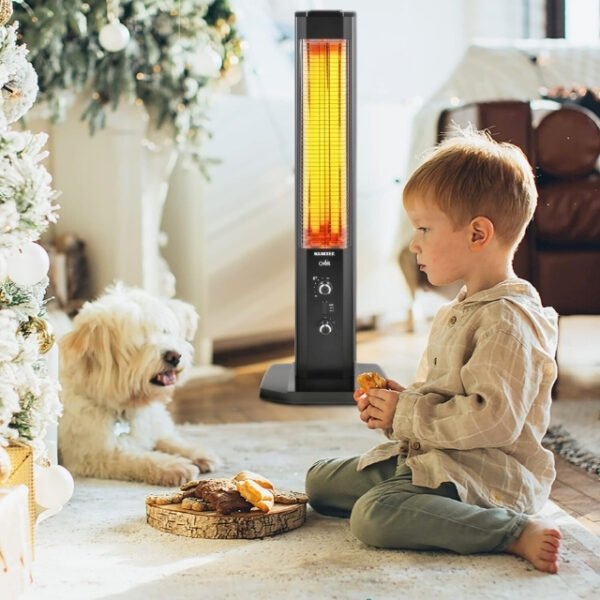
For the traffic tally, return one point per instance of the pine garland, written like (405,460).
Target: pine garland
(156,69)
(22,421)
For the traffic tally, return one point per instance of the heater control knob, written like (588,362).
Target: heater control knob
(325,288)
(325,328)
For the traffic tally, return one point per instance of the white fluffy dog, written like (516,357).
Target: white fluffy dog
(119,366)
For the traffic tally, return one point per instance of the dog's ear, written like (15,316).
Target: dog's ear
(186,316)
(86,348)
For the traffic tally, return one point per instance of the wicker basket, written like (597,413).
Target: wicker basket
(21,458)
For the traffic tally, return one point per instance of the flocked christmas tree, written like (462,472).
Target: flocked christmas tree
(29,399)
(166,55)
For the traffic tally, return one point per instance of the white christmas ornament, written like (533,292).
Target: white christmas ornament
(53,486)
(206,62)
(28,265)
(114,36)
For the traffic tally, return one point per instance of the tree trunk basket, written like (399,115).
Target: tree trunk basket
(172,518)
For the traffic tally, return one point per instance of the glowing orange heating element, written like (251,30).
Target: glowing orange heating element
(324,139)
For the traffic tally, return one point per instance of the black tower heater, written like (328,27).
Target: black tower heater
(325,367)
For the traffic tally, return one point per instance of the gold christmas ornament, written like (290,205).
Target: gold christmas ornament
(6,11)
(42,329)
(45,335)
(223,27)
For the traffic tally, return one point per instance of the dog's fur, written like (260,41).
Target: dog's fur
(118,366)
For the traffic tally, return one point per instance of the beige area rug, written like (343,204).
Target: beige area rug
(581,418)
(100,546)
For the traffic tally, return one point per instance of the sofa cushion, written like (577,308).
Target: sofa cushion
(568,213)
(505,120)
(567,281)
(567,142)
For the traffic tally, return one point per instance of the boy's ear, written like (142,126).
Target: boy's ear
(481,231)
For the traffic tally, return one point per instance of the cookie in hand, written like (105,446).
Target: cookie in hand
(370,380)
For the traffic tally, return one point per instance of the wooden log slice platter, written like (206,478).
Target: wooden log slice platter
(172,518)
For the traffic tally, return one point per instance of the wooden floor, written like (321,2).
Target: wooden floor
(236,399)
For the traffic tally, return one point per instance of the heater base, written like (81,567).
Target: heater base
(279,385)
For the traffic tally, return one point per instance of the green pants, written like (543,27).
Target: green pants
(387,511)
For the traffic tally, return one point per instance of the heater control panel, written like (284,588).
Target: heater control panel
(325,300)
(324,303)
(325,325)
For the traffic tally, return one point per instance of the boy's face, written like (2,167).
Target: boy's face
(442,250)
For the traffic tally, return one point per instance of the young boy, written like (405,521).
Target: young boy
(465,466)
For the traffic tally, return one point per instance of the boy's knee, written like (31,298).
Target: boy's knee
(364,523)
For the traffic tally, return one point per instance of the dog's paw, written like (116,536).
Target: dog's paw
(206,464)
(178,473)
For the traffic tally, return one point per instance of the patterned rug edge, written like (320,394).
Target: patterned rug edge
(561,442)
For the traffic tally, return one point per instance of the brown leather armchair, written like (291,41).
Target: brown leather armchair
(560,253)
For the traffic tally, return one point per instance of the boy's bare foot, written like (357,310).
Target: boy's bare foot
(539,543)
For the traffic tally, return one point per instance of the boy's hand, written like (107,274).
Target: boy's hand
(379,408)
(378,416)
(361,399)
(394,385)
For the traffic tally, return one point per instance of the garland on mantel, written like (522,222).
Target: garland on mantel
(177,51)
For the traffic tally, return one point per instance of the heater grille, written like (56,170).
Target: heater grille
(324,143)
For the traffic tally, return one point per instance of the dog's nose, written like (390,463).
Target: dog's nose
(172,358)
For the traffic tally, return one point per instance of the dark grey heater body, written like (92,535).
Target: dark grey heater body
(325,369)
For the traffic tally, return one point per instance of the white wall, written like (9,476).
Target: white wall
(406,48)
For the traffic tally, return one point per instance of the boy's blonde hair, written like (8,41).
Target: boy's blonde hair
(471,175)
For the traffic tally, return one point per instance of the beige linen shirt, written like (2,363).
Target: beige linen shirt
(481,405)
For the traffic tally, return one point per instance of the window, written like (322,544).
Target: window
(582,20)
(576,20)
